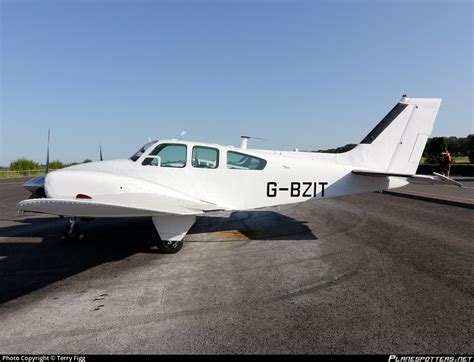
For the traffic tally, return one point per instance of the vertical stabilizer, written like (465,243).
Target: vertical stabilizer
(397,142)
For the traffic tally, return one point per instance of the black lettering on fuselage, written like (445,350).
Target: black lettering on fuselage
(306,192)
(322,187)
(297,189)
(271,189)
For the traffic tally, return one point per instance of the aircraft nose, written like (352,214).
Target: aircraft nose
(68,183)
(52,184)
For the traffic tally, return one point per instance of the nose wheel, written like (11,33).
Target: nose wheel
(71,231)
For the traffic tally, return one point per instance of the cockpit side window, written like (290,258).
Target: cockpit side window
(240,161)
(141,151)
(205,157)
(167,155)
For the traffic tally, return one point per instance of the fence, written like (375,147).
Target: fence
(19,174)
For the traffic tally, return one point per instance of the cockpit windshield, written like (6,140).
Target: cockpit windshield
(141,151)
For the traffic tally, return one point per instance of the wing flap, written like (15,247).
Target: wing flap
(435,179)
(118,205)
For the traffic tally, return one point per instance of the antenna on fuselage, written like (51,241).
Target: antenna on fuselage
(245,139)
(182,134)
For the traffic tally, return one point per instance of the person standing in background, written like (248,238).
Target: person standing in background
(445,161)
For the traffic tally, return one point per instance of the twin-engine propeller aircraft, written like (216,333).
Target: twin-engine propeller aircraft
(172,181)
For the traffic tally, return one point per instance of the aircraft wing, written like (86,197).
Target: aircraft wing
(118,205)
(435,179)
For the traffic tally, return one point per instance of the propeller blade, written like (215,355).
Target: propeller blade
(46,169)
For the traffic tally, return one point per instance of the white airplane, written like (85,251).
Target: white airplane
(172,181)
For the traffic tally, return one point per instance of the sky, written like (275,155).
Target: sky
(305,74)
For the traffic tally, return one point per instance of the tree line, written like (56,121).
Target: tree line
(457,146)
(24,164)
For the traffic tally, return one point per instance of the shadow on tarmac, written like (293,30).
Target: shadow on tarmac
(26,265)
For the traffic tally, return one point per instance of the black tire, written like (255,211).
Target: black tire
(71,234)
(170,247)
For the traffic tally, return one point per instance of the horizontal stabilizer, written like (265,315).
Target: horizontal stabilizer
(118,205)
(435,179)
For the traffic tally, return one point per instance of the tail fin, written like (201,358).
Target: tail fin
(396,144)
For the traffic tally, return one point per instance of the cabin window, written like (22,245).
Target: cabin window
(205,157)
(167,155)
(141,151)
(240,161)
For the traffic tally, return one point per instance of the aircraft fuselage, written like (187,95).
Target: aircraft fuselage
(286,178)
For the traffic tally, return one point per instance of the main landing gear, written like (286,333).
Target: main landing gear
(170,246)
(172,230)
(71,231)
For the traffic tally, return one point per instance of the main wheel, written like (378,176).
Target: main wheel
(71,232)
(169,246)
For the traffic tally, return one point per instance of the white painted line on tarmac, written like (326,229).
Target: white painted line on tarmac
(21,239)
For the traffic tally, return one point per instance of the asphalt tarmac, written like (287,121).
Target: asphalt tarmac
(450,195)
(369,273)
